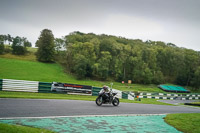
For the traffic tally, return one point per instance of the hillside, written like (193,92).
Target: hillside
(36,71)
(100,59)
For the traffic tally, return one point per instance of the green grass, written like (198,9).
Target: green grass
(187,123)
(46,72)
(28,57)
(6,128)
(29,95)
(34,71)
(194,104)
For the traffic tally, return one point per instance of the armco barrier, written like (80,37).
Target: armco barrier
(19,85)
(44,87)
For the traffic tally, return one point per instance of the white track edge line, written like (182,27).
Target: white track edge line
(7,118)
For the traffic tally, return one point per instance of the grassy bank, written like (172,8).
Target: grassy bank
(187,123)
(29,95)
(46,72)
(6,128)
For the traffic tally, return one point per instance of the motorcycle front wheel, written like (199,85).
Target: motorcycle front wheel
(115,101)
(99,101)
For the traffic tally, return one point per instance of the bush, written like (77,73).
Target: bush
(1,48)
(19,50)
(18,47)
(7,49)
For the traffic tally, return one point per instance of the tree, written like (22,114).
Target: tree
(1,39)
(59,44)
(18,46)
(46,46)
(103,56)
(1,48)
(26,42)
(196,79)
(80,66)
(103,65)
(5,38)
(36,43)
(9,38)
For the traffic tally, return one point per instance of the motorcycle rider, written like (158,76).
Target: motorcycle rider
(107,92)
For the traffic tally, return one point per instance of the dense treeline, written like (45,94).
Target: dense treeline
(110,57)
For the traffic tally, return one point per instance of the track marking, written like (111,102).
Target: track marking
(7,118)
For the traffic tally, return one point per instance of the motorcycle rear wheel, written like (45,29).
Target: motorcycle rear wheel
(115,102)
(99,101)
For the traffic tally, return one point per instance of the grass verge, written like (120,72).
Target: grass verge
(29,95)
(187,123)
(194,104)
(6,128)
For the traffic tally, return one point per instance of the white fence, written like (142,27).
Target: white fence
(20,85)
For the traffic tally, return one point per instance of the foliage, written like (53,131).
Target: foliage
(59,45)
(1,48)
(18,46)
(46,46)
(110,57)
(7,49)
(196,79)
(187,123)
(27,43)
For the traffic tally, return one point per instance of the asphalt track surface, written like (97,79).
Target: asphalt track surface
(10,108)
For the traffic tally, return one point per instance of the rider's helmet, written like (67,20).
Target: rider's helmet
(105,88)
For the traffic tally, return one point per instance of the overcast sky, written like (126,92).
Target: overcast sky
(175,21)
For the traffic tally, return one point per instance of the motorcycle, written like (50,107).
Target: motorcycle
(104,98)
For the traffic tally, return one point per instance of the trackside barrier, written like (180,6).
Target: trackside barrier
(44,87)
(95,91)
(1,82)
(71,88)
(170,96)
(120,94)
(124,95)
(19,85)
(128,95)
